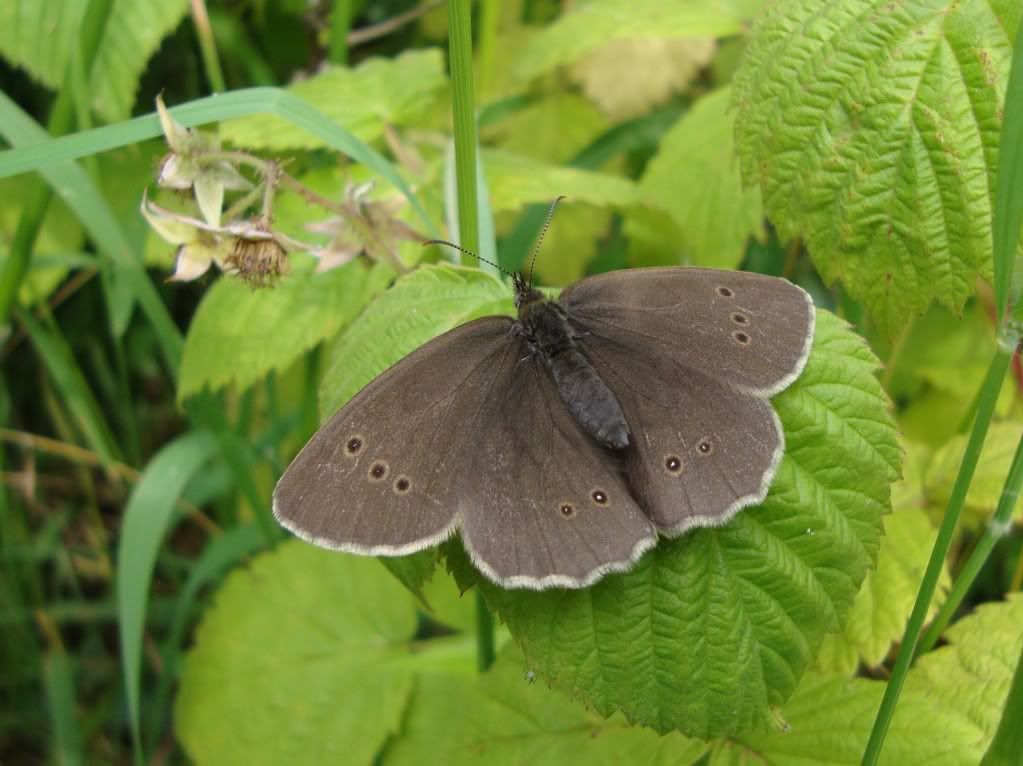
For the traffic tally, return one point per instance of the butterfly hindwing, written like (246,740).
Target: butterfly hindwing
(546,506)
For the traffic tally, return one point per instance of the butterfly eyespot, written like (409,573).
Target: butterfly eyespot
(740,318)
(402,484)
(724,292)
(741,337)
(354,445)
(705,447)
(599,497)
(378,471)
(673,464)
(567,510)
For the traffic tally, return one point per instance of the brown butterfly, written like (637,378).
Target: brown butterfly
(561,443)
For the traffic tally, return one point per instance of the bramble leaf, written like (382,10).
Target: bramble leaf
(238,333)
(595,23)
(872,130)
(376,93)
(307,653)
(947,713)
(694,178)
(40,36)
(501,718)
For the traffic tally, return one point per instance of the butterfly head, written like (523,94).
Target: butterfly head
(525,294)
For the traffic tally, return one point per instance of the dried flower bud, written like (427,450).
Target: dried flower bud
(260,262)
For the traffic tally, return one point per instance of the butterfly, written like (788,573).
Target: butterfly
(562,442)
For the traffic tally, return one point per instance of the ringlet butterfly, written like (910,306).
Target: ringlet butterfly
(562,443)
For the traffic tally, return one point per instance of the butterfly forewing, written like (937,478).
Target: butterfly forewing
(386,473)
(749,330)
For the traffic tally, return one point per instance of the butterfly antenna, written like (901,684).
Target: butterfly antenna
(467,252)
(546,225)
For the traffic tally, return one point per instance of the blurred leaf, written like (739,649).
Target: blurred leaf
(516,181)
(307,654)
(592,24)
(239,334)
(59,684)
(571,243)
(992,469)
(77,396)
(711,629)
(947,713)
(147,517)
(419,306)
(60,235)
(40,36)
(413,571)
(694,177)
(877,142)
(553,129)
(627,78)
(501,719)
(447,604)
(363,100)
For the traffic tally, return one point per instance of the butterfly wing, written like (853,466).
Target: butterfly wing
(467,431)
(546,506)
(705,441)
(383,476)
(748,330)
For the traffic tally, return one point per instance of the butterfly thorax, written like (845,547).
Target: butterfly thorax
(549,334)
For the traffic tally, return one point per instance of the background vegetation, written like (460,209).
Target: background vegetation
(152,610)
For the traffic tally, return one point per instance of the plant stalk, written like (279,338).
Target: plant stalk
(340,25)
(997,528)
(1007,746)
(460,53)
(484,634)
(989,396)
(208,46)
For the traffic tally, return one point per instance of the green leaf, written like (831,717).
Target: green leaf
(595,23)
(500,718)
(307,653)
(947,713)
(239,334)
(147,518)
(413,571)
(879,613)
(694,178)
(420,306)
(986,488)
(628,78)
(40,36)
(872,130)
(551,129)
(364,100)
(516,181)
(712,628)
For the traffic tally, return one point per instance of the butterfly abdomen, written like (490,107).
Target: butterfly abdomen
(581,388)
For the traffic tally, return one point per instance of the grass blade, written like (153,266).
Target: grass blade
(59,683)
(1008,213)
(85,199)
(1007,746)
(460,51)
(988,398)
(239,103)
(147,517)
(75,391)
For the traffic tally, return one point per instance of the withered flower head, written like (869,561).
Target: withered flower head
(364,226)
(259,260)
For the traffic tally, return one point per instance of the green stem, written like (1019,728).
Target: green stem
(340,24)
(208,46)
(1007,746)
(484,634)
(989,396)
(997,528)
(460,53)
(62,117)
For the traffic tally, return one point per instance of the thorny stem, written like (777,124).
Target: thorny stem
(272,178)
